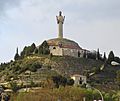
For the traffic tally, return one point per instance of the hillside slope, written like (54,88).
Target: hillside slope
(41,67)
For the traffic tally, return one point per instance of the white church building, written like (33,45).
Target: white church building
(64,47)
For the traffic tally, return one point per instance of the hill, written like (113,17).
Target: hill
(38,68)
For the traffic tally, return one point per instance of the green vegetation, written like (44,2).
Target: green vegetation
(104,57)
(44,48)
(36,67)
(17,57)
(28,50)
(42,66)
(64,94)
(110,57)
(32,49)
(14,86)
(118,78)
(62,81)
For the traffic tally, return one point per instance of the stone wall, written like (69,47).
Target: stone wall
(56,50)
(70,52)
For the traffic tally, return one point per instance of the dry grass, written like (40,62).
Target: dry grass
(65,94)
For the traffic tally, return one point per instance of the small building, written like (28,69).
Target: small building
(114,63)
(65,47)
(79,79)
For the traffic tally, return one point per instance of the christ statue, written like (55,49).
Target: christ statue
(60,21)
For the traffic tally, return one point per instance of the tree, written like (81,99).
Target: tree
(91,55)
(98,55)
(32,48)
(56,80)
(104,57)
(44,48)
(70,82)
(63,81)
(32,83)
(16,57)
(14,86)
(23,53)
(110,57)
(36,50)
(118,78)
(59,80)
(40,50)
(28,50)
(33,67)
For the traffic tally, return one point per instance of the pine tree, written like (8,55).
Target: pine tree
(32,48)
(28,50)
(36,50)
(104,57)
(110,57)
(16,57)
(44,48)
(40,50)
(23,53)
(98,55)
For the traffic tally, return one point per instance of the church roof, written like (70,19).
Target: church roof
(63,43)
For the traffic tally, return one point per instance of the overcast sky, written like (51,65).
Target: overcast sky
(91,23)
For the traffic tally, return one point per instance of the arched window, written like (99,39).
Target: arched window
(78,54)
(54,47)
(60,45)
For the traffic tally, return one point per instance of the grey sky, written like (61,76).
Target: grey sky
(92,23)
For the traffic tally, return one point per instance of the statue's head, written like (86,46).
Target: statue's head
(60,13)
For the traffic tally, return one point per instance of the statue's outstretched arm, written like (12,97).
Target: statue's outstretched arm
(64,17)
(57,20)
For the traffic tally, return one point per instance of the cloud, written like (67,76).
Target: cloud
(7,4)
(85,10)
(95,9)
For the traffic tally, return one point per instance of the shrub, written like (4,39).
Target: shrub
(33,67)
(14,86)
(70,82)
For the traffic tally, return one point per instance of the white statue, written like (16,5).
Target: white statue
(60,21)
